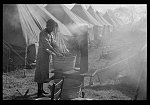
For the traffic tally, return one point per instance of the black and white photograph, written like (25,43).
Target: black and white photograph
(74,52)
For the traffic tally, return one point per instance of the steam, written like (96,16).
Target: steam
(79,31)
(129,44)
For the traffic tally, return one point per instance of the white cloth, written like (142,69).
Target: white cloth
(36,47)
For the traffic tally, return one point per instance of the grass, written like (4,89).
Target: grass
(13,81)
(109,89)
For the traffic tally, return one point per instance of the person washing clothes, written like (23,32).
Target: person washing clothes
(46,48)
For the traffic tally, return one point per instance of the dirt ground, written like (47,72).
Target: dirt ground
(116,47)
(15,81)
(109,88)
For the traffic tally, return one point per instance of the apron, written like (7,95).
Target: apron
(43,58)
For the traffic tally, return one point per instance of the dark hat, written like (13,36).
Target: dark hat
(51,22)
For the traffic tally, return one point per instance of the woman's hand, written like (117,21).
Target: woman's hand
(50,52)
(59,54)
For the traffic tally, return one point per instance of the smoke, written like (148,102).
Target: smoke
(15,20)
(56,10)
(13,16)
(78,30)
(129,44)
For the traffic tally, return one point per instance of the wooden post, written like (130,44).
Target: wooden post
(24,72)
(84,53)
(96,32)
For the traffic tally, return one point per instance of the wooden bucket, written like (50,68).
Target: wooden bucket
(71,88)
(64,63)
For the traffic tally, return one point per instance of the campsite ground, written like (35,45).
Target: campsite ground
(14,81)
(109,89)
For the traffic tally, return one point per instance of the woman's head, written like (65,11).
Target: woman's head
(51,25)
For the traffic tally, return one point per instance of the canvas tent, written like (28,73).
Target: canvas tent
(82,13)
(116,20)
(109,19)
(67,17)
(63,14)
(92,12)
(21,26)
(12,31)
(70,20)
(100,13)
(109,27)
(13,38)
(104,20)
(36,21)
(106,26)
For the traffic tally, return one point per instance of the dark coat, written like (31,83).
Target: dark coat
(43,58)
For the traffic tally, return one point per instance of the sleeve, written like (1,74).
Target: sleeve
(45,42)
(53,43)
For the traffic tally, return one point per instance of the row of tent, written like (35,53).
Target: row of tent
(14,43)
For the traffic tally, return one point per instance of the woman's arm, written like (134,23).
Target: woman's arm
(56,47)
(50,52)
(46,43)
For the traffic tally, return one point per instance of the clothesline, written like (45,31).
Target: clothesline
(13,50)
(101,70)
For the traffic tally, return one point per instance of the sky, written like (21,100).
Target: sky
(102,7)
(98,7)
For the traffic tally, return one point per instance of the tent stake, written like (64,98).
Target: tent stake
(25,63)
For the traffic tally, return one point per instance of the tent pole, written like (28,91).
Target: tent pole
(9,46)
(7,65)
(25,63)
(138,86)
